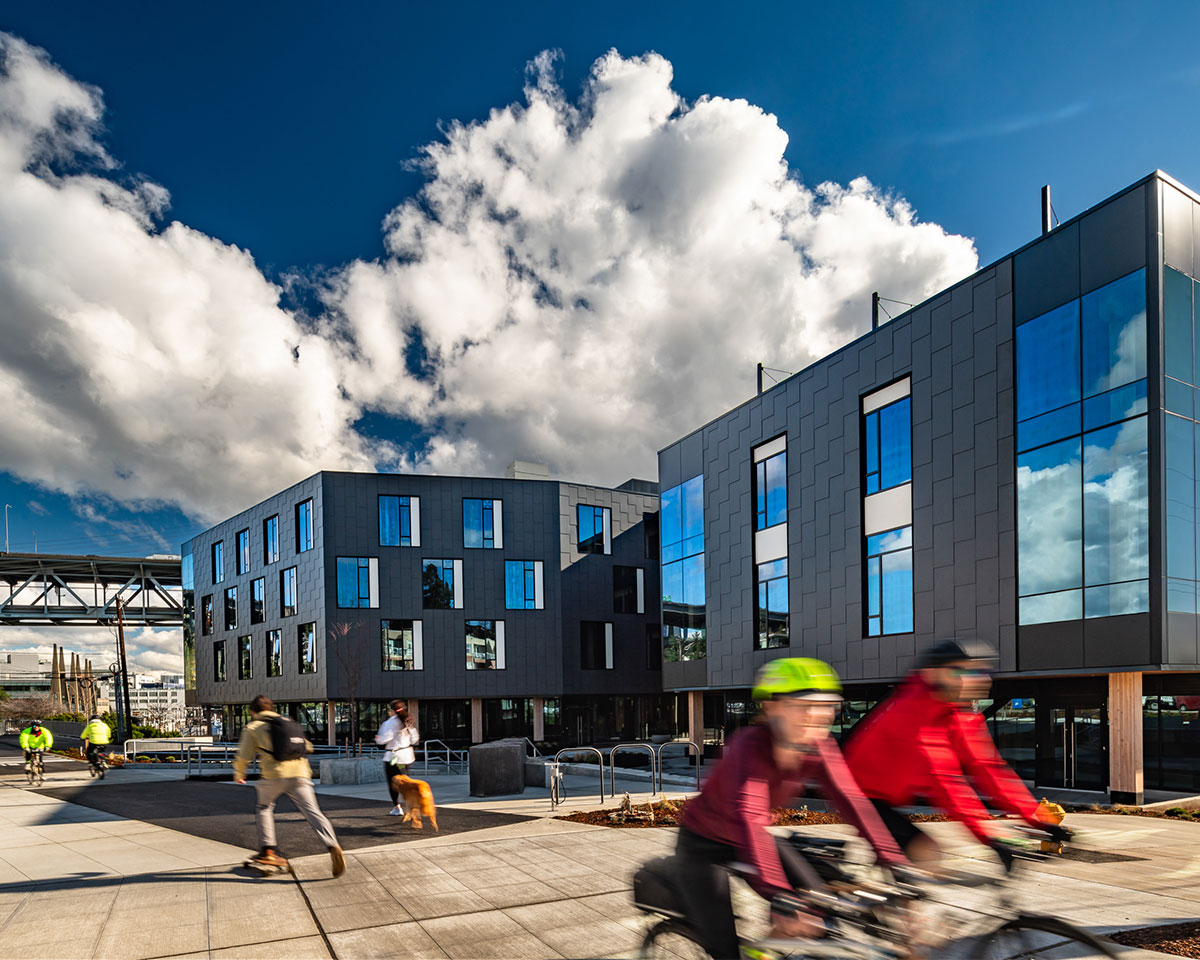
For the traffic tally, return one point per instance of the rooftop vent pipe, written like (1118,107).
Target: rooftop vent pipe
(1047,212)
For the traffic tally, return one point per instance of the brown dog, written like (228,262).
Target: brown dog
(418,799)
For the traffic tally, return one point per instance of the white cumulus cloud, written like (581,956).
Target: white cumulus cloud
(583,279)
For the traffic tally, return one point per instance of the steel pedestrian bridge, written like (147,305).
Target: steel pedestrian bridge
(40,589)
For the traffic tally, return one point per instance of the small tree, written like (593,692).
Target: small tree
(26,708)
(350,650)
(3,694)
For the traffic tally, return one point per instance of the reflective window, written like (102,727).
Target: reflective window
(1048,354)
(219,661)
(206,615)
(1116,504)
(218,561)
(593,524)
(1178,325)
(889,582)
(1050,518)
(357,582)
(1119,404)
(683,600)
(271,539)
(245,664)
(395,521)
(437,584)
(398,645)
(592,645)
(243,552)
(304,526)
(1114,334)
(771,605)
(274,653)
(481,522)
(770,491)
(307,649)
(1051,607)
(231,608)
(258,600)
(481,645)
(523,584)
(1115,599)
(887,444)
(627,590)
(287,592)
(1181,596)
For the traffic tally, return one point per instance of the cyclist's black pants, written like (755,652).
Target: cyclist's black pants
(704,886)
(93,753)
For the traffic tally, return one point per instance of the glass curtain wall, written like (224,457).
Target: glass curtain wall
(1083,515)
(683,602)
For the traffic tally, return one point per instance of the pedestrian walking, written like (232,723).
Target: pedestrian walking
(282,750)
(397,735)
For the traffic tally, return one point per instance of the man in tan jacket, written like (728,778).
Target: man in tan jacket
(292,776)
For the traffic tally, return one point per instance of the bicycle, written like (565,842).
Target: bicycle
(97,765)
(36,769)
(866,920)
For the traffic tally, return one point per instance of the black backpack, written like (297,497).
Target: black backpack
(287,739)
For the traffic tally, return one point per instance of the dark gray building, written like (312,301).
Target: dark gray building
(495,606)
(1014,459)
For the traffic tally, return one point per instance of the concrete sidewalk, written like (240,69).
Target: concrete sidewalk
(77,883)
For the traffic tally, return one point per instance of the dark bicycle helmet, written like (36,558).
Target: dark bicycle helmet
(955,650)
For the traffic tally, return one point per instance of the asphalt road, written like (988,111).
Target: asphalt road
(225,812)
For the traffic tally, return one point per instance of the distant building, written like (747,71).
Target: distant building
(24,674)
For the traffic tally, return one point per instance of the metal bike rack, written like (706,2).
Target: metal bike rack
(612,766)
(679,743)
(599,756)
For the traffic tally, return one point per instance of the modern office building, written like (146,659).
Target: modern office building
(1015,459)
(495,606)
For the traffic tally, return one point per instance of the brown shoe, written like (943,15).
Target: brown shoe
(338,859)
(269,858)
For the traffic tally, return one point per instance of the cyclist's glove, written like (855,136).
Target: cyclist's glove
(1057,833)
(1004,852)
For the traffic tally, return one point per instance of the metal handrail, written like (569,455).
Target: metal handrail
(594,750)
(533,746)
(679,743)
(612,765)
(159,744)
(460,757)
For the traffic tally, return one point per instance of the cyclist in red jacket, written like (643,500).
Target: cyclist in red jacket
(925,741)
(763,766)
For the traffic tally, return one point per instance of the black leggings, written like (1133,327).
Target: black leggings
(390,770)
(705,887)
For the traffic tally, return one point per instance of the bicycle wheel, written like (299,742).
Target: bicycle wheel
(1027,936)
(672,940)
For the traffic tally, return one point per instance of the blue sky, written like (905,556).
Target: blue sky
(288,130)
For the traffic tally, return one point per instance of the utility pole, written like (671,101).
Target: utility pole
(128,714)
(7,507)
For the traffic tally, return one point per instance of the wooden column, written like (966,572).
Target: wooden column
(696,717)
(539,725)
(476,720)
(414,712)
(331,722)
(1126,778)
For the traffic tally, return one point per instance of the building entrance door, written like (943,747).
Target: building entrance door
(1076,754)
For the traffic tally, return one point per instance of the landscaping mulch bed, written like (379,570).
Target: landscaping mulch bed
(1180,939)
(669,813)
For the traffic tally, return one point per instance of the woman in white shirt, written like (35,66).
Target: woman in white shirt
(397,735)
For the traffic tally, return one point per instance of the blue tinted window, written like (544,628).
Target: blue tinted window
(520,584)
(682,544)
(1181,596)
(1048,359)
(353,582)
(1116,504)
(481,645)
(304,526)
(395,521)
(271,539)
(274,653)
(287,592)
(218,561)
(1050,518)
(1179,443)
(1063,422)
(258,600)
(398,645)
(1117,599)
(307,647)
(889,582)
(871,446)
(1114,334)
(772,605)
(895,444)
(437,584)
(592,524)
(1119,404)
(1178,325)
(770,487)
(479,523)
(243,552)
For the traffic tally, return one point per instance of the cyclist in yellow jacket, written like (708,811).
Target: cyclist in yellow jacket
(35,737)
(95,735)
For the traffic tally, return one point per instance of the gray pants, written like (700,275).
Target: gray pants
(300,789)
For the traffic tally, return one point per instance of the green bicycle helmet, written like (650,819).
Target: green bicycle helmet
(798,677)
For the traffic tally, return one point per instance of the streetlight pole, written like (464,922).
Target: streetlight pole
(7,507)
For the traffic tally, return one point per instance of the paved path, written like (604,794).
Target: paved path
(81,882)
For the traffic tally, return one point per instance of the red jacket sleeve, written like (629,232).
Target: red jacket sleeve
(842,790)
(752,811)
(948,784)
(977,753)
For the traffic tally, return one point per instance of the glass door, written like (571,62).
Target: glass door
(1078,749)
